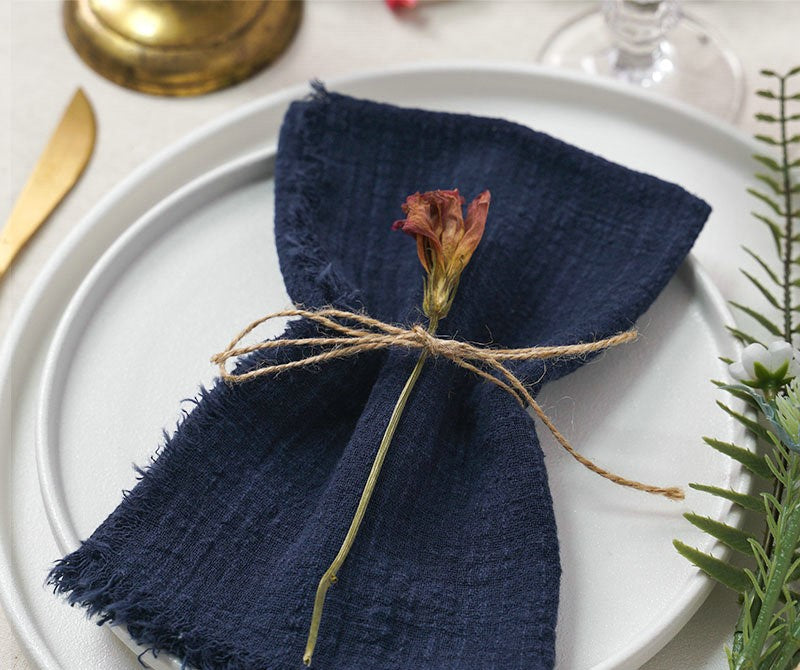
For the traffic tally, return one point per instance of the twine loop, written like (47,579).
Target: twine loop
(354,333)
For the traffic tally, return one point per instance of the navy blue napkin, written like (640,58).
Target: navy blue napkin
(215,555)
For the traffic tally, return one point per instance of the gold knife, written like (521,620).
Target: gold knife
(56,172)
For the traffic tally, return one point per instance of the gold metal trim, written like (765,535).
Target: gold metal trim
(180,47)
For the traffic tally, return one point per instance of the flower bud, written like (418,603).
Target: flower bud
(445,241)
(765,368)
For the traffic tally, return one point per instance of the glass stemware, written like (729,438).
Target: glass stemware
(652,44)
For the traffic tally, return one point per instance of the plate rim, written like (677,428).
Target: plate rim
(701,583)
(55,503)
(27,631)
(51,493)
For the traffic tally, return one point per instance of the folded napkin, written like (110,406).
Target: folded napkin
(215,555)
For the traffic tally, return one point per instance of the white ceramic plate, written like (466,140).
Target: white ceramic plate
(613,614)
(201,264)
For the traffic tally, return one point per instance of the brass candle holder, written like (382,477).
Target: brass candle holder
(180,47)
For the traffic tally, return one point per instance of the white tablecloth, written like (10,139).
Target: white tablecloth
(40,72)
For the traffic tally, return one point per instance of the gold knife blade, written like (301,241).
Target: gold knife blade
(58,168)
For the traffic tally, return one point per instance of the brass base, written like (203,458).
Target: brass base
(180,47)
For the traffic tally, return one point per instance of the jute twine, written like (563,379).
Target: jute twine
(372,334)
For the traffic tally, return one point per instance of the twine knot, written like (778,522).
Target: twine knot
(428,342)
(353,333)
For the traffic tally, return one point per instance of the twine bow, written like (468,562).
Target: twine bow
(372,334)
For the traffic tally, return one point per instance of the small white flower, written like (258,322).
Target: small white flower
(763,367)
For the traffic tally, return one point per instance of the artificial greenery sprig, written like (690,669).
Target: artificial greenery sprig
(767,634)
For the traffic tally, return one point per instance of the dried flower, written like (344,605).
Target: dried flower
(767,368)
(445,241)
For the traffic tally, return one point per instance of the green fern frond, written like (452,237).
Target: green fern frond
(753,426)
(740,335)
(763,264)
(768,325)
(770,501)
(762,559)
(767,634)
(731,537)
(768,296)
(763,197)
(769,181)
(752,461)
(726,574)
(743,500)
(795,567)
(755,585)
(737,393)
(767,140)
(771,163)
(774,228)
(778,473)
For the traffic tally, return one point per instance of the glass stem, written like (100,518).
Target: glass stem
(638,29)
(329,578)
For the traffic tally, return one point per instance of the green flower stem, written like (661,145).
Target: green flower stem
(786,542)
(329,578)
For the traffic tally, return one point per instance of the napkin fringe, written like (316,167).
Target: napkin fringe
(86,579)
(301,246)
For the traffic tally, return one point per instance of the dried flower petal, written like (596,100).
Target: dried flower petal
(445,241)
(476,221)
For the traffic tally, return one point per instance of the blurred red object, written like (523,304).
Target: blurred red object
(394,5)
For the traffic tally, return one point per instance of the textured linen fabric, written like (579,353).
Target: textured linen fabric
(215,555)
